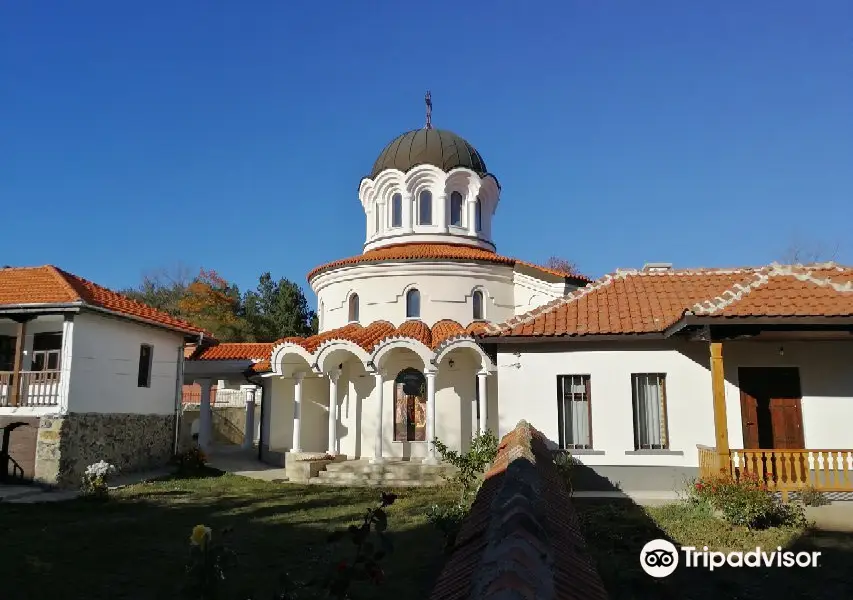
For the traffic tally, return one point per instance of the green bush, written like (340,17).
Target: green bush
(565,464)
(448,520)
(745,501)
(813,497)
(470,465)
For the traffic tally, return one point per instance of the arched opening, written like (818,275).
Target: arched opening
(478,215)
(456,209)
(353,308)
(410,406)
(413,304)
(477,305)
(397,210)
(425,208)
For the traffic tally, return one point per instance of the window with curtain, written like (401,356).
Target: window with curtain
(353,308)
(478,215)
(425,208)
(574,412)
(413,304)
(477,305)
(456,209)
(397,210)
(649,400)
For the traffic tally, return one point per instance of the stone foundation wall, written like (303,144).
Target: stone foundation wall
(228,424)
(67,444)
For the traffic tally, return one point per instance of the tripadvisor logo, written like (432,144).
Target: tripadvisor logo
(660,558)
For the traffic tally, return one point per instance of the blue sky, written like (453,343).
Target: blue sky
(138,136)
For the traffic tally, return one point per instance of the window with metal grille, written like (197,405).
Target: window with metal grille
(574,412)
(648,391)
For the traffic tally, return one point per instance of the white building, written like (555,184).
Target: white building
(429,332)
(88,373)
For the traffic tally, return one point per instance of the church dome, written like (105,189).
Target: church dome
(440,148)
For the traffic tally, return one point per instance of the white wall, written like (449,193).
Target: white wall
(446,289)
(528,390)
(826,384)
(105,366)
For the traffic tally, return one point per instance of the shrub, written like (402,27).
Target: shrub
(448,520)
(210,562)
(565,463)
(207,565)
(811,496)
(470,465)
(745,501)
(95,479)
(193,459)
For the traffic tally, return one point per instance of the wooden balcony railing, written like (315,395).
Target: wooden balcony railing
(785,470)
(35,388)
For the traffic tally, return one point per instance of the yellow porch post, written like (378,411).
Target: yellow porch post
(718,387)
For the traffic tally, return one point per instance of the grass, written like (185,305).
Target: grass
(135,545)
(616,531)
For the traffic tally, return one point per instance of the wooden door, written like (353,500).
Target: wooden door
(770,407)
(787,420)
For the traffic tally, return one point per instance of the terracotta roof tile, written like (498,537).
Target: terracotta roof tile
(637,302)
(235,351)
(261,367)
(437,252)
(53,286)
(521,538)
(378,331)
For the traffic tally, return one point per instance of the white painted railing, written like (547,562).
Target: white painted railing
(35,388)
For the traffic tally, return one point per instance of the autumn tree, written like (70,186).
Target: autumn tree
(210,302)
(562,264)
(277,309)
(799,252)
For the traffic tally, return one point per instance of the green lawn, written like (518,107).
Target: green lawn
(616,531)
(135,545)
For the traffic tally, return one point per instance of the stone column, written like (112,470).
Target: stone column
(333,411)
(297,413)
(249,432)
(377,444)
(205,415)
(481,389)
(430,418)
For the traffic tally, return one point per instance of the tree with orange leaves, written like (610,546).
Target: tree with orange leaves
(211,303)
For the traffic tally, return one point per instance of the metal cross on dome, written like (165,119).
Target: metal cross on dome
(428,100)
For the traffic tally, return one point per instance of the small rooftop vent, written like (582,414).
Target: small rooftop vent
(658,267)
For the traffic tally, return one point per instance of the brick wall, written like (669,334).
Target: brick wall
(522,538)
(22,443)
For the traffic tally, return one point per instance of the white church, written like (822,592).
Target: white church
(645,375)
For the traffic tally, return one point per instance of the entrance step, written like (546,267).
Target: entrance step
(393,473)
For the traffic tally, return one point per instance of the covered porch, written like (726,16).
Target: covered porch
(32,353)
(377,393)
(782,402)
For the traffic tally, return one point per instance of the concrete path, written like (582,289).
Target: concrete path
(236,460)
(31,494)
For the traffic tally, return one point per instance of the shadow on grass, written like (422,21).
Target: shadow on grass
(135,545)
(617,529)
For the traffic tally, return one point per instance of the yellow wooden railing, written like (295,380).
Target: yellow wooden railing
(784,470)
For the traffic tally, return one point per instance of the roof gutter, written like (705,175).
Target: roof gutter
(691,320)
(557,339)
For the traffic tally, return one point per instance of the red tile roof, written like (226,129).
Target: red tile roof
(637,302)
(522,537)
(401,252)
(52,286)
(235,351)
(369,337)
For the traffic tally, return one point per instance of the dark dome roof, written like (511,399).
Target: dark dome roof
(438,147)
